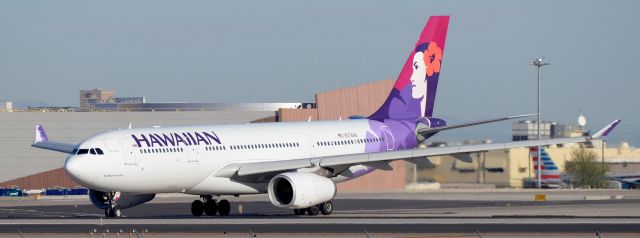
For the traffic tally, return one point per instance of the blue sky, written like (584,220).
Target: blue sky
(282,51)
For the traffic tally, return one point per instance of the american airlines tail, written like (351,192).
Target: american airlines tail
(549,173)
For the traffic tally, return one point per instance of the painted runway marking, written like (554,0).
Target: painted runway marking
(305,220)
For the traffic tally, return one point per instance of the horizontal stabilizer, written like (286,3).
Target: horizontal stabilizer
(437,129)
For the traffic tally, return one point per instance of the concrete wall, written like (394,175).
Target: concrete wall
(17,131)
(48,179)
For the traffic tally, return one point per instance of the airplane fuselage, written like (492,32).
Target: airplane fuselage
(186,159)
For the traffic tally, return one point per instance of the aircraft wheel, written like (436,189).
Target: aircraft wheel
(313,210)
(326,208)
(113,212)
(210,207)
(224,208)
(197,207)
(117,212)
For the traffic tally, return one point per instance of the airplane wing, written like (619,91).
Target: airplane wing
(333,162)
(263,171)
(42,142)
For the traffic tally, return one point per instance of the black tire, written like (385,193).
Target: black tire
(197,207)
(108,212)
(116,212)
(210,208)
(326,208)
(224,207)
(313,210)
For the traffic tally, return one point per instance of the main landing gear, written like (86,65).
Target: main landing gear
(210,207)
(326,208)
(113,210)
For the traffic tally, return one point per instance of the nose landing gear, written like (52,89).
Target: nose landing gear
(210,207)
(112,210)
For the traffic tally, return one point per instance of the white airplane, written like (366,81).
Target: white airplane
(296,163)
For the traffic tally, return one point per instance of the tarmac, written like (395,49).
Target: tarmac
(457,213)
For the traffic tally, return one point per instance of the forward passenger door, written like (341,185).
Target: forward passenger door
(128,153)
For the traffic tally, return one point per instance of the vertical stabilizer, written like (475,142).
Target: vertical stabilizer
(550,175)
(414,92)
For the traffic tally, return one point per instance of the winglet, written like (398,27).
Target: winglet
(605,131)
(41,136)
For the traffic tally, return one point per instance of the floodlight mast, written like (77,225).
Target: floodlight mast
(539,63)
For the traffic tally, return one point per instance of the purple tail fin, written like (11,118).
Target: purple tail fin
(414,92)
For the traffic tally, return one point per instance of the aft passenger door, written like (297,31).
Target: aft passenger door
(388,137)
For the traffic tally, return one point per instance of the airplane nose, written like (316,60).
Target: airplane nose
(74,168)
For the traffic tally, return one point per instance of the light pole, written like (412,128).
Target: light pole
(603,146)
(539,63)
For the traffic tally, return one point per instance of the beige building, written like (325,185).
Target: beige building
(94,96)
(510,167)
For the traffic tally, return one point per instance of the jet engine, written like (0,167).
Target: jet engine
(300,190)
(100,199)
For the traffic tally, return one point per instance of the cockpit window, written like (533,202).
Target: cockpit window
(83,151)
(92,151)
(99,151)
(74,151)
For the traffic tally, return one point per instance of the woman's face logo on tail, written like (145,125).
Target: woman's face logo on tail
(418,77)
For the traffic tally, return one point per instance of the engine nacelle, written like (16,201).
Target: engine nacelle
(300,190)
(99,199)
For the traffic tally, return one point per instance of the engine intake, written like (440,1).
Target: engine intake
(300,190)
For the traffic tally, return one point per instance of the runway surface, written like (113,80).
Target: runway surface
(570,212)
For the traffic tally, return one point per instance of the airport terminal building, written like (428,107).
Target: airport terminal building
(99,110)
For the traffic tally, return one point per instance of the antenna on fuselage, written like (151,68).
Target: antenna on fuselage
(130,124)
